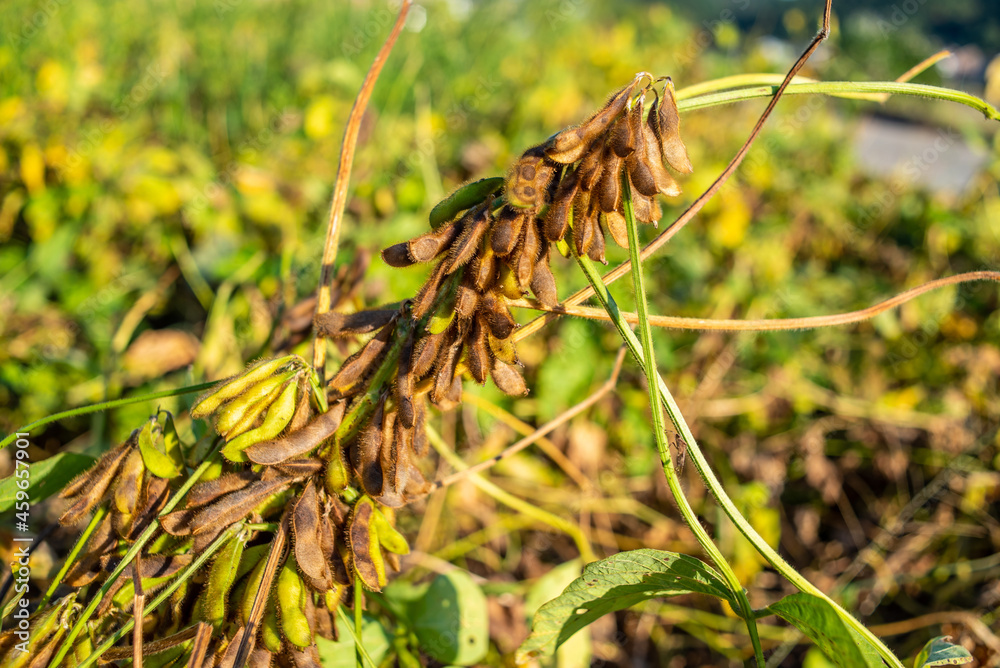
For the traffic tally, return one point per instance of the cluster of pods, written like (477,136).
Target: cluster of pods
(329,466)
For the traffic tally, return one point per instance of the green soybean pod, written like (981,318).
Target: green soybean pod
(233,412)
(465,197)
(220,579)
(270,632)
(253,585)
(279,414)
(207,404)
(292,603)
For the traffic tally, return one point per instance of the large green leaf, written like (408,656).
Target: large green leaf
(375,638)
(940,652)
(576,651)
(451,620)
(819,620)
(618,582)
(45,478)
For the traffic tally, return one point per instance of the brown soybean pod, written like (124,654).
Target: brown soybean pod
(508,379)
(477,223)
(365,451)
(420,444)
(665,183)
(428,246)
(424,300)
(596,251)
(531,246)
(299,442)
(507,230)
(478,353)
(591,167)
(672,146)
(621,138)
(560,213)
(307,540)
(608,191)
(204,493)
(426,353)
(497,317)
(398,255)
(570,144)
(543,283)
(484,265)
(617,227)
(404,383)
(360,363)
(445,372)
(347,324)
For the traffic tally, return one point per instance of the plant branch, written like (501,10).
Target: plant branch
(339,201)
(767,324)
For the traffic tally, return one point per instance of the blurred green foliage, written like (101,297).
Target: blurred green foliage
(166,167)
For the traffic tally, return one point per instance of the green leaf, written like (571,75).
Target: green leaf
(340,654)
(819,620)
(940,652)
(45,478)
(577,651)
(160,448)
(615,583)
(451,620)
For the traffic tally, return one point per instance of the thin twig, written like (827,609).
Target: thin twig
(767,324)
(203,635)
(339,201)
(138,610)
(541,431)
(275,558)
(703,199)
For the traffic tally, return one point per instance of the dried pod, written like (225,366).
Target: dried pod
(502,349)
(424,300)
(508,379)
(395,465)
(669,125)
(303,411)
(420,444)
(363,362)
(475,224)
(570,144)
(617,226)
(529,180)
(260,658)
(543,283)
(527,255)
(366,450)
(232,507)
(398,255)
(128,483)
(466,300)
(484,266)
(665,183)
(596,251)
(608,191)
(404,383)
(646,209)
(367,555)
(426,353)
(307,657)
(621,138)
(428,246)
(591,167)
(353,324)
(507,230)
(95,483)
(497,316)
(228,659)
(204,493)
(298,443)
(464,198)
(307,539)
(444,374)
(478,352)
(298,469)
(560,214)
(585,228)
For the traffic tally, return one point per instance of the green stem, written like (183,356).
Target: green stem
(649,360)
(848,89)
(520,505)
(99,514)
(358,621)
(715,487)
(103,406)
(129,557)
(356,635)
(163,595)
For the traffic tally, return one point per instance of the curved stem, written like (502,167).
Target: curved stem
(647,360)
(103,406)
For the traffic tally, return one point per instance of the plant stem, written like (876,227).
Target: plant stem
(74,553)
(712,483)
(649,362)
(357,637)
(358,620)
(103,406)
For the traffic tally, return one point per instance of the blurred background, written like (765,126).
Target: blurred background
(165,173)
